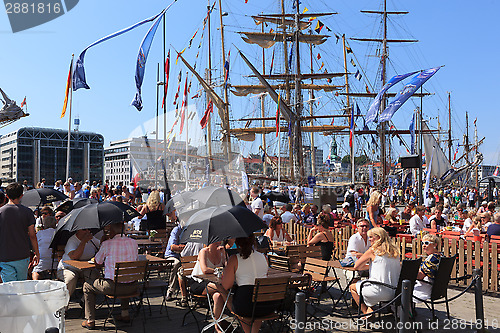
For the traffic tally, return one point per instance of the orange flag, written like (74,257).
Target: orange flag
(68,87)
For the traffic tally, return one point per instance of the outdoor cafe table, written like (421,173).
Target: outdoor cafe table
(85,265)
(336,264)
(272,273)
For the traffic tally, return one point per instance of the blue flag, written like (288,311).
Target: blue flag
(141,62)
(371,115)
(405,93)
(412,134)
(79,80)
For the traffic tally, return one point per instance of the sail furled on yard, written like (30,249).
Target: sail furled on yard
(245,90)
(267,40)
(278,20)
(440,163)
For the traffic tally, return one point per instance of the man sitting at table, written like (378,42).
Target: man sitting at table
(438,219)
(406,213)
(494,228)
(419,221)
(118,248)
(358,243)
(172,252)
(81,246)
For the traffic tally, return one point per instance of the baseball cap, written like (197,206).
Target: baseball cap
(345,204)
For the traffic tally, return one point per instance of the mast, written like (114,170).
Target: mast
(68,151)
(383,62)
(467,137)
(311,122)
(165,87)
(209,81)
(350,110)
(449,127)
(226,130)
(477,147)
(297,136)
(156,125)
(262,110)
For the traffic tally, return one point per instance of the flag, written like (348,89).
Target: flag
(358,111)
(183,106)
(371,115)
(226,68)
(140,66)
(370,176)
(348,49)
(79,80)
(289,128)
(405,93)
(171,140)
(428,177)
(365,127)
(244,180)
(337,37)
(456,152)
(358,75)
(312,19)
(23,103)
(206,116)
(496,172)
(319,56)
(322,64)
(290,56)
(367,89)
(263,157)
(351,131)
(305,10)
(319,26)
(68,85)
(352,62)
(179,81)
(412,134)
(167,72)
(278,116)
(475,120)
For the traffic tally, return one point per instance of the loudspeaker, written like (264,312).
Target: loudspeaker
(411,162)
(325,195)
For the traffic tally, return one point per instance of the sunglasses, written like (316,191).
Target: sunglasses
(426,243)
(363,226)
(59,217)
(45,213)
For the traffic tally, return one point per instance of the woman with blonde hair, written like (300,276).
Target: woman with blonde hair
(373,210)
(385,268)
(153,209)
(428,268)
(392,215)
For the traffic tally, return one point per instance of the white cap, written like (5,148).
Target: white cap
(484,203)
(345,204)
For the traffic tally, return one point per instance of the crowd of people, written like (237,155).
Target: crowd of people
(25,244)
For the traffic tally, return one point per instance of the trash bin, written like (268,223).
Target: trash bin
(32,306)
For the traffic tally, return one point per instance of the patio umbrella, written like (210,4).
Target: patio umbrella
(41,196)
(69,205)
(180,202)
(214,224)
(276,196)
(93,217)
(216,196)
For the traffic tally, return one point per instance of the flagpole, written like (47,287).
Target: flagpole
(69,123)
(279,157)
(165,87)
(187,131)
(156,126)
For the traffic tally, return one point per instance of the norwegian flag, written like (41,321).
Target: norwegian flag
(167,72)
(351,130)
(496,172)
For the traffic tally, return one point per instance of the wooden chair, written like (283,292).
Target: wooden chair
(126,272)
(163,270)
(271,289)
(281,263)
(311,252)
(194,301)
(318,270)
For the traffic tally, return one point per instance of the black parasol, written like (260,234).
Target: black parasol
(42,196)
(69,205)
(214,224)
(276,196)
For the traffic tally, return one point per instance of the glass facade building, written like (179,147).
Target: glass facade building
(32,153)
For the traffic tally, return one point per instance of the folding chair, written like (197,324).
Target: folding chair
(318,269)
(160,282)
(281,263)
(266,290)
(440,284)
(194,301)
(127,272)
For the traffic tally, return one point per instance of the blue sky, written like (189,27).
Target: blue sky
(457,34)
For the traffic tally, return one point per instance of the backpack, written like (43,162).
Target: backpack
(350,199)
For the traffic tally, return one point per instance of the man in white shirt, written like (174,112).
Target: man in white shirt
(257,204)
(78,191)
(358,243)
(267,215)
(287,215)
(418,221)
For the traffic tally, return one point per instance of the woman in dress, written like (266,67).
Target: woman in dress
(276,232)
(346,214)
(385,267)
(242,269)
(209,258)
(322,236)
(428,268)
(373,210)
(153,209)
